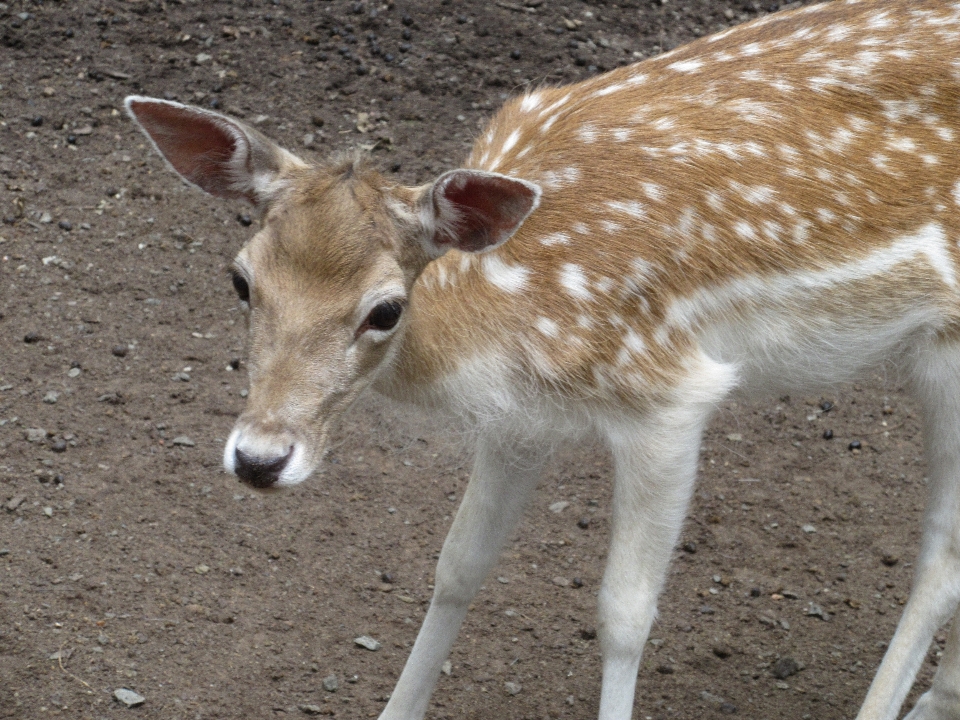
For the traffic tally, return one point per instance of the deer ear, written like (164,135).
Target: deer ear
(217,154)
(473,211)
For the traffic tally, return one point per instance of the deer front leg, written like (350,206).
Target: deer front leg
(655,463)
(499,490)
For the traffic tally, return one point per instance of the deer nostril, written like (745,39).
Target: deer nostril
(260,472)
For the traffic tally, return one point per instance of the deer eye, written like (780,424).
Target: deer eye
(241,286)
(384,316)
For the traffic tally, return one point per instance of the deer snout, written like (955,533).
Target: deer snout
(264,461)
(260,472)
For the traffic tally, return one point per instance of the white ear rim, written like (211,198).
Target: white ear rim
(435,207)
(259,188)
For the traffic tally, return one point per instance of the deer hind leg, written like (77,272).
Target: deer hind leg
(936,586)
(499,490)
(655,460)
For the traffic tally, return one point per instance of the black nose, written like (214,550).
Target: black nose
(258,471)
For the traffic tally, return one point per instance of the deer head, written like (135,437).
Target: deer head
(326,280)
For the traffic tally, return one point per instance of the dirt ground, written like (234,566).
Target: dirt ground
(128,559)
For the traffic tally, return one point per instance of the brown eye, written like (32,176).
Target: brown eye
(384,316)
(242,287)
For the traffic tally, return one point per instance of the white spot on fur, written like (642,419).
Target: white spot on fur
(609,89)
(510,142)
(634,343)
(897,110)
(956,192)
(574,281)
(509,278)
(556,105)
(903,145)
(548,327)
(663,123)
(826,215)
(556,238)
(652,191)
(838,33)
(744,230)
(580,228)
(611,227)
(604,285)
(686,66)
(548,122)
(751,49)
(621,134)
(531,102)
(631,207)
(587,133)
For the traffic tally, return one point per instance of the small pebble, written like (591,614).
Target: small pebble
(784,668)
(73,372)
(119,350)
(65,225)
(559,507)
(59,446)
(561,582)
(665,669)
(310,709)
(583,523)
(51,398)
(512,688)
(37,121)
(365,641)
(828,434)
(690,547)
(817,611)
(245,220)
(387,577)
(31,337)
(183,441)
(129,697)
(331,683)
(855,445)
(808,529)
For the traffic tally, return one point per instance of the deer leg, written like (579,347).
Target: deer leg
(942,701)
(936,586)
(499,490)
(655,463)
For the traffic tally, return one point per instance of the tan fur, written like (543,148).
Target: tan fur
(795,152)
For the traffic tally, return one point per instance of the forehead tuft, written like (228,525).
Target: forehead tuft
(329,227)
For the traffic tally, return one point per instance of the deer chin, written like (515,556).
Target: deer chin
(269,463)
